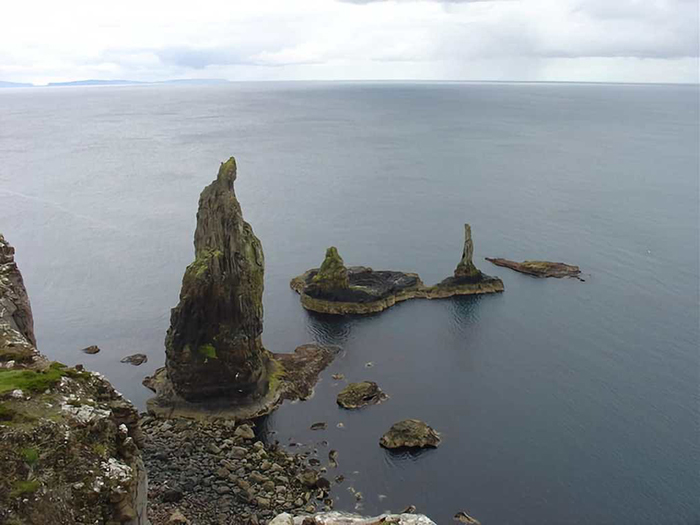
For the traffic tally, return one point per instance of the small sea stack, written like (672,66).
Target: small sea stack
(336,289)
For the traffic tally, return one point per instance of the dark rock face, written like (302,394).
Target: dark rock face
(466,269)
(213,346)
(410,433)
(15,310)
(540,268)
(358,395)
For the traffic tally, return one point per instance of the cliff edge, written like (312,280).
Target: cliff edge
(70,445)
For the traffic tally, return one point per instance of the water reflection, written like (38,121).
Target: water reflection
(330,329)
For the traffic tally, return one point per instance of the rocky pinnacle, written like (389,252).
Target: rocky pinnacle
(213,347)
(466,268)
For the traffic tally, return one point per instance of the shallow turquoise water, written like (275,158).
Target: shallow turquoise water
(559,401)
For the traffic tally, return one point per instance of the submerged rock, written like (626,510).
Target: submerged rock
(539,268)
(335,289)
(463,517)
(135,359)
(358,395)
(410,433)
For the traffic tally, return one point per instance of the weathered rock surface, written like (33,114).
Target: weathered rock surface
(463,517)
(410,433)
(358,395)
(69,443)
(539,268)
(335,289)
(342,518)
(216,365)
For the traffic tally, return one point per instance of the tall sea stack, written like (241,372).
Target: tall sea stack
(213,347)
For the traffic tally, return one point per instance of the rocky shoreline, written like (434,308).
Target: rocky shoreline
(359,290)
(218,472)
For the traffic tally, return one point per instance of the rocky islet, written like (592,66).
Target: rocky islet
(336,289)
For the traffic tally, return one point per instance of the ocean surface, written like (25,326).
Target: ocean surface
(559,402)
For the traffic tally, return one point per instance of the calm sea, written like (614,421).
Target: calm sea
(559,402)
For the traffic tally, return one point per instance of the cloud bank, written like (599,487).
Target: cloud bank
(580,40)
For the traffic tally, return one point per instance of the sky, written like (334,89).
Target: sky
(45,41)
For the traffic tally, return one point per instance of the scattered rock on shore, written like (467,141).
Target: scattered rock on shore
(410,433)
(237,480)
(358,395)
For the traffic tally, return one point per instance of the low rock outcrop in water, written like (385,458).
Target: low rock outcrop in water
(539,268)
(216,364)
(410,433)
(335,289)
(358,395)
(69,443)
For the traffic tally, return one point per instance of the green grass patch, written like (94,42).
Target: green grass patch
(22,488)
(208,351)
(30,456)
(31,380)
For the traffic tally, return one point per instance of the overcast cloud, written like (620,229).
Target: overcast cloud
(586,40)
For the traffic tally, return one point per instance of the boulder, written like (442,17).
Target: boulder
(135,359)
(410,433)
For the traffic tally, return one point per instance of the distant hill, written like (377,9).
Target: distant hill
(131,82)
(94,82)
(4,84)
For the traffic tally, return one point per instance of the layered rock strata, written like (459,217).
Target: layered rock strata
(336,289)
(69,443)
(539,268)
(215,361)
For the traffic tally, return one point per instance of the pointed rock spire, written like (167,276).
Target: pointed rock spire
(466,268)
(213,347)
